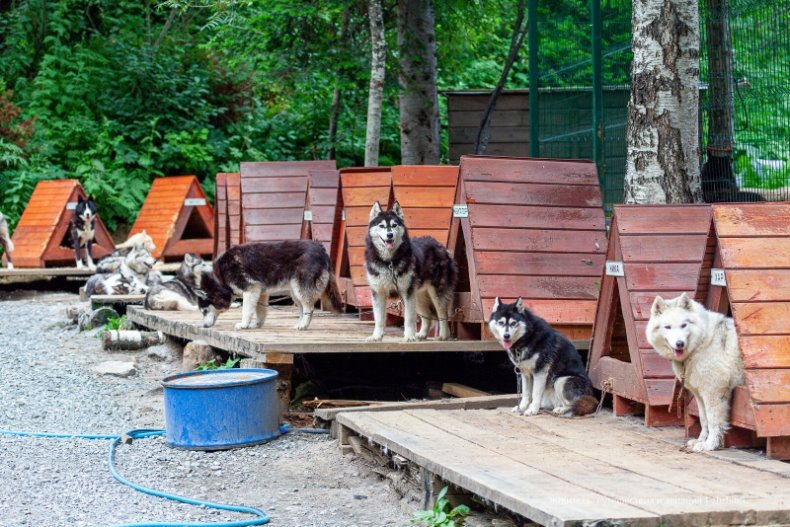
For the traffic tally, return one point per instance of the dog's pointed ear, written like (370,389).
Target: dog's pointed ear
(497,303)
(684,302)
(397,210)
(659,304)
(520,307)
(375,210)
(79,199)
(189,259)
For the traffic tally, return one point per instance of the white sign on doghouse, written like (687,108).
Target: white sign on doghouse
(614,268)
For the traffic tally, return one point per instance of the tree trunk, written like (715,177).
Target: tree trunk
(663,130)
(378,62)
(334,109)
(419,101)
(720,84)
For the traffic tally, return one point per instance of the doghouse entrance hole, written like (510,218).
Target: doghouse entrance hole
(463,285)
(619,342)
(196,228)
(66,241)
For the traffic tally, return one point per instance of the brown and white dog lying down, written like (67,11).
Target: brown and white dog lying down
(256,270)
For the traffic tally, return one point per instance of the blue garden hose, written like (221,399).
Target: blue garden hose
(261,519)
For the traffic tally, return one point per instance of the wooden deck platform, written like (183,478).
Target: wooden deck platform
(583,471)
(328,333)
(21,275)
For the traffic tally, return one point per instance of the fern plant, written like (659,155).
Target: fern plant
(442,515)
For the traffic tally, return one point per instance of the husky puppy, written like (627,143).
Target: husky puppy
(112,262)
(253,271)
(420,271)
(83,230)
(703,348)
(552,373)
(131,279)
(5,241)
(178,294)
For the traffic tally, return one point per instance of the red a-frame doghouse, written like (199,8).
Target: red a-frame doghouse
(178,217)
(42,237)
(324,214)
(653,250)
(752,252)
(273,198)
(533,228)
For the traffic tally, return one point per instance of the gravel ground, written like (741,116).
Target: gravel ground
(46,385)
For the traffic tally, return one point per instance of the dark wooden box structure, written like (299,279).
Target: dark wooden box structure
(752,249)
(227,212)
(273,198)
(533,228)
(660,250)
(42,237)
(178,217)
(322,210)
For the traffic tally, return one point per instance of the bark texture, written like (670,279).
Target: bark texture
(378,62)
(419,101)
(663,127)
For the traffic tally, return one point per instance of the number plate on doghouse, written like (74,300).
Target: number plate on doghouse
(717,277)
(194,202)
(614,268)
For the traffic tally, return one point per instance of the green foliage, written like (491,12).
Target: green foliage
(441,515)
(112,324)
(212,365)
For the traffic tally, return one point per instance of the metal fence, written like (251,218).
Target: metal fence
(744,93)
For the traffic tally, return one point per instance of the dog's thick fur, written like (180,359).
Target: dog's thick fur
(178,294)
(420,271)
(112,262)
(552,372)
(703,348)
(133,276)
(5,241)
(254,271)
(83,230)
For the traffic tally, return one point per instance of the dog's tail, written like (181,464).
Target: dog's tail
(331,298)
(584,405)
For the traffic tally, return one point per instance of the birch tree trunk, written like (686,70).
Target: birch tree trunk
(663,128)
(378,62)
(419,101)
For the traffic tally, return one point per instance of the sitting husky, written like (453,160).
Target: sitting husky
(703,348)
(178,294)
(420,271)
(132,278)
(112,262)
(83,230)
(5,241)
(552,373)
(255,270)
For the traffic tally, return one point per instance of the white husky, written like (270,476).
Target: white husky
(703,348)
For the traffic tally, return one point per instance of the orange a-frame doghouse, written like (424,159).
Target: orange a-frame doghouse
(653,250)
(178,217)
(360,188)
(533,228)
(42,237)
(324,214)
(752,254)
(273,198)
(227,212)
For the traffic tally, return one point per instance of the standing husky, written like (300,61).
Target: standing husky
(703,348)
(5,240)
(83,230)
(255,270)
(178,294)
(552,373)
(420,271)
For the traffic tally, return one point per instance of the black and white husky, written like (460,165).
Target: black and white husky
(112,262)
(552,373)
(83,230)
(132,278)
(420,271)
(255,270)
(5,241)
(178,294)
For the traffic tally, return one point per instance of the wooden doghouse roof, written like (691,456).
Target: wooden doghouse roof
(656,250)
(426,194)
(42,237)
(533,228)
(322,198)
(178,217)
(753,249)
(227,212)
(273,198)
(360,189)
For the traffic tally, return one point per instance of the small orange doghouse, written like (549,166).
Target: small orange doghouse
(653,250)
(533,228)
(750,279)
(42,237)
(178,217)
(273,198)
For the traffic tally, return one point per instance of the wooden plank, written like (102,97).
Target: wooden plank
(418,197)
(540,241)
(535,217)
(758,285)
(539,287)
(460,390)
(272,200)
(761,318)
(663,219)
(664,248)
(769,385)
(283,168)
(495,192)
(765,351)
(755,253)
(743,219)
(464,403)
(274,184)
(537,264)
(662,276)
(553,311)
(556,172)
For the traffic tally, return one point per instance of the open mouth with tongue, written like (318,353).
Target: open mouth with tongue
(679,352)
(389,244)
(507,344)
